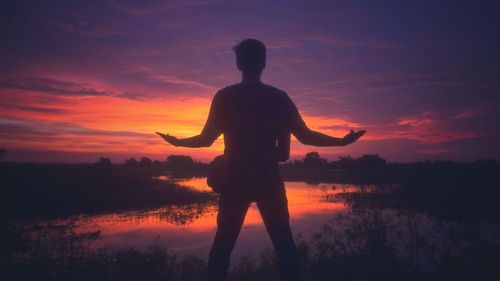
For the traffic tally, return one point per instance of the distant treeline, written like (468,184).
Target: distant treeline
(311,160)
(369,168)
(314,160)
(172,163)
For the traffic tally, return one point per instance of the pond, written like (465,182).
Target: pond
(324,215)
(189,229)
(342,227)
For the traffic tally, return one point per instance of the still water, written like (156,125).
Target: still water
(190,229)
(317,213)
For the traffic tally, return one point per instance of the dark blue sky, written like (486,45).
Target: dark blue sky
(423,77)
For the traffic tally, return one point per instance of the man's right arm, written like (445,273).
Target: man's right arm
(210,132)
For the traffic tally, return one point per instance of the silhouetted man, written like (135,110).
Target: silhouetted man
(256,120)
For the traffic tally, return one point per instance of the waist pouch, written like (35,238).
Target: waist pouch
(218,174)
(224,176)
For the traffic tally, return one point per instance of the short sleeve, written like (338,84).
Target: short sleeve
(292,118)
(214,120)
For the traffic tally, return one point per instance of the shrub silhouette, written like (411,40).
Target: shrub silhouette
(313,160)
(179,162)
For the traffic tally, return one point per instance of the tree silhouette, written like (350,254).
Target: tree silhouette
(2,152)
(370,161)
(104,163)
(131,163)
(179,162)
(145,162)
(365,161)
(313,160)
(344,162)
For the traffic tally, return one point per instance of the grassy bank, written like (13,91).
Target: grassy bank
(461,192)
(34,191)
(374,244)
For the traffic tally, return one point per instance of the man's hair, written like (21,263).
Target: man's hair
(250,55)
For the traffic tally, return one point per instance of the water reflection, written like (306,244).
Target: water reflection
(190,228)
(199,184)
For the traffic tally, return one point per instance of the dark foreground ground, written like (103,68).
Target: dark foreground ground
(441,222)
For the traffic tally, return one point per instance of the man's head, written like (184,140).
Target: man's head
(250,56)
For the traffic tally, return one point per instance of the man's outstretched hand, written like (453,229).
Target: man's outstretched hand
(352,136)
(168,138)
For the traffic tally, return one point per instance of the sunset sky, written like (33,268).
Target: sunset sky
(84,79)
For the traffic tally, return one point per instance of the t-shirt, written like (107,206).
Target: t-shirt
(252,116)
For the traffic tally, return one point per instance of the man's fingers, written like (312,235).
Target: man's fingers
(166,137)
(163,135)
(359,134)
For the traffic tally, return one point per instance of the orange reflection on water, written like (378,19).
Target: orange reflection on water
(191,228)
(302,198)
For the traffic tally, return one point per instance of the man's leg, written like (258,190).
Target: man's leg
(274,211)
(230,217)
